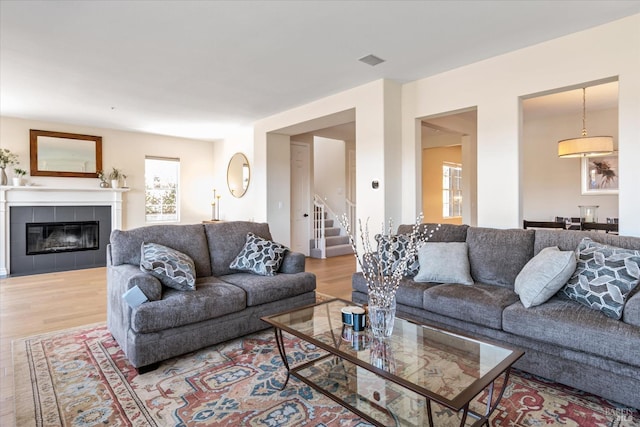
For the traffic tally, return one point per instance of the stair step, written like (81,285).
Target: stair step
(337,240)
(331,231)
(338,250)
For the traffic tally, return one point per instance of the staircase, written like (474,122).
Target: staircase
(329,240)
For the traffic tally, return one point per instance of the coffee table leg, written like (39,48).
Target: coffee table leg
(490,407)
(283,355)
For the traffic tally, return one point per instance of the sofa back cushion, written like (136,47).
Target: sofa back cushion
(568,240)
(446,232)
(226,240)
(188,239)
(497,256)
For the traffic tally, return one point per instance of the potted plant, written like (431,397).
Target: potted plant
(18,175)
(115,176)
(7,158)
(103,180)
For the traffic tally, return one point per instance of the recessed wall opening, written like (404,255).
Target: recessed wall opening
(55,237)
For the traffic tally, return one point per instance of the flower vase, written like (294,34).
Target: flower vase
(3,177)
(17,181)
(382,314)
(115,183)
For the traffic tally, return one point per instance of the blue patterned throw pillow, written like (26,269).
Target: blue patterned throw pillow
(604,277)
(392,249)
(259,256)
(173,268)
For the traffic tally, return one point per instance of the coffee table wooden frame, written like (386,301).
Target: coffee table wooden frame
(460,403)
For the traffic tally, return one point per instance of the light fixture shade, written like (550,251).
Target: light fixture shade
(587,146)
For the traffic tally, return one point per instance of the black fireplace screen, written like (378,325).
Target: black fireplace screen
(48,237)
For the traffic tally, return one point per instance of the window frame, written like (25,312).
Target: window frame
(175,218)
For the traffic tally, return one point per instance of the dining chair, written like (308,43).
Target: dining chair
(542,224)
(600,226)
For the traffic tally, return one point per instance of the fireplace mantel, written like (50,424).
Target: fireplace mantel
(53,196)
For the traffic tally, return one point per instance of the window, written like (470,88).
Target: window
(451,190)
(161,189)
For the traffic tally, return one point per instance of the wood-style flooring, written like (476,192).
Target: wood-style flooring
(31,305)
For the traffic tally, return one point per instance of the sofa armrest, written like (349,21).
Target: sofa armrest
(120,279)
(292,263)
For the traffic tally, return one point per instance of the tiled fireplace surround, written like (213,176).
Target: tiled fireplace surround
(64,199)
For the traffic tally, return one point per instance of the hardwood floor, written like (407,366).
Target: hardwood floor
(31,305)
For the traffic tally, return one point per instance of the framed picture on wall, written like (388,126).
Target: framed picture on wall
(600,174)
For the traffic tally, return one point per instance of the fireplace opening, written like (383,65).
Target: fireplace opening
(55,237)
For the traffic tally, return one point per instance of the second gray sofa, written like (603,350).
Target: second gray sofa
(563,340)
(225,304)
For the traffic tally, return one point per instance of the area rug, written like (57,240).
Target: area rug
(81,378)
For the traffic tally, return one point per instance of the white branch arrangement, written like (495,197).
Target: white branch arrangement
(381,285)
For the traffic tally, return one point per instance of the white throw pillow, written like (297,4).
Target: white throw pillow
(444,262)
(544,275)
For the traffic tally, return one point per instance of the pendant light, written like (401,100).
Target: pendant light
(585,146)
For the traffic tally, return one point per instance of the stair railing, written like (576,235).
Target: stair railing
(319,214)
(351,214)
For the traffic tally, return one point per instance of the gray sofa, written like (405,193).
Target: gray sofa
(225,304)
(563,340)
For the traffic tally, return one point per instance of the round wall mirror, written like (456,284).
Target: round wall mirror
(238,175)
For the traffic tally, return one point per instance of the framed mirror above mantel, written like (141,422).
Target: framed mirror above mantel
(64,154)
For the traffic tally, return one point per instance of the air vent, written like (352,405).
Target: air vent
(371,60)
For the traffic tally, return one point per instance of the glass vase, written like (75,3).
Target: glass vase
(382,314)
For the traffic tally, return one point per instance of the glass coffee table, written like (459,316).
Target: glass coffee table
(419,376)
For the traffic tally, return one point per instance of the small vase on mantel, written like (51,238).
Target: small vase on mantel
(3,177)
(115,183)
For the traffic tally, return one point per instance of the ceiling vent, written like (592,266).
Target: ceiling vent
(371,60)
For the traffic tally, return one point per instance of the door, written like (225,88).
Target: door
(300,197)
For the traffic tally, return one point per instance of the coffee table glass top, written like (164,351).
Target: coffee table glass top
(446,367)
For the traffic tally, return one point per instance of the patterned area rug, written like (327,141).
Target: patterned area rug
(81,378)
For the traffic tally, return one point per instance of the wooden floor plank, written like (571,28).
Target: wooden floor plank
(40,303)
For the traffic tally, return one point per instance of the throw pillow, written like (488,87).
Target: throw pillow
(444,262)
(544,275)
(392,250)
(259,256)
(173,268)
(605,276)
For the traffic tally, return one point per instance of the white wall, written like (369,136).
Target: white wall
(551,186)
(232,208)
(494,86)
(371,139)
(329,175)
(127,151)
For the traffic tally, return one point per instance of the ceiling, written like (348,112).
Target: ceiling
(199,69)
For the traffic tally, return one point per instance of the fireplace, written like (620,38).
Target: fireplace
(48,237)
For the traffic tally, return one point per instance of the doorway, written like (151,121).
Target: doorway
(448,176)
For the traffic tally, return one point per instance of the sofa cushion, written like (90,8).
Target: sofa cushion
(226,240)
(173,268)
(497,256)
(189,239)
(393,250)
(259,256)
(264,289)
(631,312)
(409,292)
(444,262)
(568,324)
(604,277)
(568,240)
(212,298)
(479,303)
(444,232)
(544,275)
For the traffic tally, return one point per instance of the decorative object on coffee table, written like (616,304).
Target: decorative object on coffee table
(395,257)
